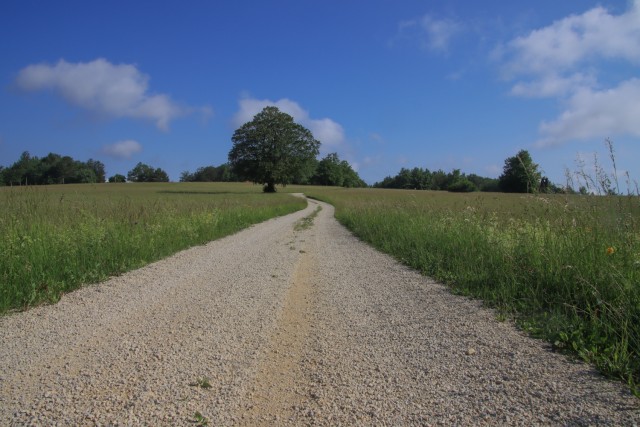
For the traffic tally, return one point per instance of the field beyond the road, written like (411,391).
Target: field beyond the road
(59,237)
(567,268)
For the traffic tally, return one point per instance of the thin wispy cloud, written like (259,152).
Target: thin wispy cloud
(430,33)
(112,90)
(122,149)
(564,61)
(328,132)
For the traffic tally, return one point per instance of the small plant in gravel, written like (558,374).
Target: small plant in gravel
(202,383)
(307,221)
(200,420)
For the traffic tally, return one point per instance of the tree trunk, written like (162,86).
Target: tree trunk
(270,187)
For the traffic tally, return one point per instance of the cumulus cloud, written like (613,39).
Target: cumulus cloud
(433,34)
(569,42)
(551,62)
(122,149)
(328,132)
(592,113)
(551,85)
(115,90)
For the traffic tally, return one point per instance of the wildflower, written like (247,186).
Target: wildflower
(610,250)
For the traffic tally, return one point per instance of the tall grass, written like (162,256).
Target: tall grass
(56,238)
(567,268)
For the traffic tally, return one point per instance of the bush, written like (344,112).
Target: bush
(462,186)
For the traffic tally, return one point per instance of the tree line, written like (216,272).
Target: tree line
(57,169)
(519,175)
(272,149)
(424,179)
(328,171)
(51,169)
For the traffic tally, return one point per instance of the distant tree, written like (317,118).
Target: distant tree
(220,173)
(186,176)
(118,178)
(2,169)
(440,180)
(84,175)
(52,169)
(335,172)
(272,149)
(462,185)
(483,183)
(520,174)
(423,179)
(98,169)
(145,173)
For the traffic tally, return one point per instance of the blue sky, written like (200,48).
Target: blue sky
(384,83)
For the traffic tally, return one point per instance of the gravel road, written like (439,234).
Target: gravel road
(287,326)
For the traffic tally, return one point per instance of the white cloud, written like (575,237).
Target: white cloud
(433,34)
(116,90)
(328,132)
(439,32)
(563,61)
(552,85)
(568,42)
(122,149)
(592,113)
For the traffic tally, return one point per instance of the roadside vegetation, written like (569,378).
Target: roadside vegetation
(565,267)
(59,237)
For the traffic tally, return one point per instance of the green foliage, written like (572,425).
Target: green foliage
(222,173)
(335,172)
(272,149)
(462,185)
(566,268)
(118,178)
(54,239)
(52,169)
(200,420)
(307,221)
(145,173)
(520,174)
(424,179)
(203,382)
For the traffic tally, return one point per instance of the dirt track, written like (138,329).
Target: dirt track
(308,327)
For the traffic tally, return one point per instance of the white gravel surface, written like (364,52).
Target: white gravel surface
(306,327)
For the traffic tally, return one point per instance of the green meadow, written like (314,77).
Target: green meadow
(57,238)
(566,268)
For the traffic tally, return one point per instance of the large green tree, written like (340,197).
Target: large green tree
(272,149)
(520,174)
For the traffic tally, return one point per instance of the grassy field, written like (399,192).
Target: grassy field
(567,268)
(56,238)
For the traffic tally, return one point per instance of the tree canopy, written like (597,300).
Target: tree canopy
(520,174)
(220,173)
(272,149)
(145,173)
(51,169)
(333,171)
(424,179)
